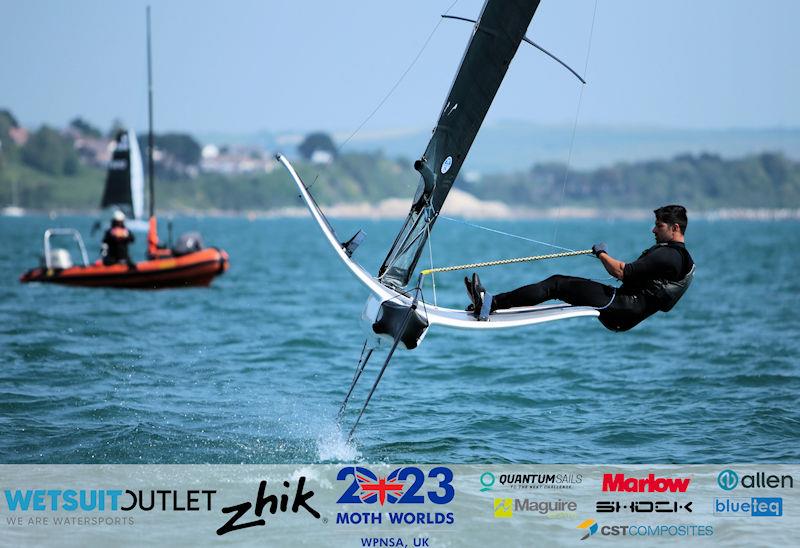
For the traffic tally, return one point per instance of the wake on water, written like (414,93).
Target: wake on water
(332,445)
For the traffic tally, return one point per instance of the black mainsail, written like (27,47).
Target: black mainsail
(495,39)
(124,181)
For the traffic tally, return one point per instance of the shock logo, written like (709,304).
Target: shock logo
(406,485)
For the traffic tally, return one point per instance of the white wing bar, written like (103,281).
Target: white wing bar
(436,315)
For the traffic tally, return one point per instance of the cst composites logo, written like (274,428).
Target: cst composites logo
(591,527)
(729,480)
(401,487)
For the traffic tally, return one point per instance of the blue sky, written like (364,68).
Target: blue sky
(245,65)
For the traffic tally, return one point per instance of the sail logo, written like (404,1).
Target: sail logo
(650,484)
(531,481)
(446,164)
(728,480)
(401,486)
(487,480)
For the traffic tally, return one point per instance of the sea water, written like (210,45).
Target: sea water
(254,368)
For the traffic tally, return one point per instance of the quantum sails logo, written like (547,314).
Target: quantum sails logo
(530,481)
(404,486)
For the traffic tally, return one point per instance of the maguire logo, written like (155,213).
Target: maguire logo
(503,508)
(590,526)
(757,507)
(401,486)
(728,480)
(650,484)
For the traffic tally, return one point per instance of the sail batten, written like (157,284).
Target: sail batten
(497,35)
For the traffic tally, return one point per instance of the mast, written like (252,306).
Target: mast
(150,122)
(497,35)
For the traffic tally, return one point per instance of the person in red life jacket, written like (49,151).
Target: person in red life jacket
(116,241)
(653,282)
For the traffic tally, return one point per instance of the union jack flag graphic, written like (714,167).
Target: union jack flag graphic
(380,489)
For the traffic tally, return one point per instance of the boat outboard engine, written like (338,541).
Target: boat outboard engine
(60,259)
(188,243)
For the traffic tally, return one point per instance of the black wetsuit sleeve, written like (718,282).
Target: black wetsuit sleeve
(130,237)
(662,262)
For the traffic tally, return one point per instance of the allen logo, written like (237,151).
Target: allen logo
(503,508)
(729,480)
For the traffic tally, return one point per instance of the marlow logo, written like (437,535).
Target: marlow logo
(650,484)
(591,528)
(503,508)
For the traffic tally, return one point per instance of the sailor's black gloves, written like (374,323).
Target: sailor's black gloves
(599,249)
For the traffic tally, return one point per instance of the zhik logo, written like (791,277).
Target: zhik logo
(591,528)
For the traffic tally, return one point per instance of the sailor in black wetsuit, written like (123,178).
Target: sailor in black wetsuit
(116,241)
(653,282)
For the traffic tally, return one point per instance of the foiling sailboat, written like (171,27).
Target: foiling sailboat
(395,310)
(124,188)
(186,264)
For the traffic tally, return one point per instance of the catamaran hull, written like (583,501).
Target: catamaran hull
(195,269)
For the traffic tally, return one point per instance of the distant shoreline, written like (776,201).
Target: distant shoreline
(377,213)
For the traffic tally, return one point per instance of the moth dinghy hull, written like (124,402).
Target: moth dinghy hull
(383,299)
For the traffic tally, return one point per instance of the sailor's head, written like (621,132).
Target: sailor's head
(670,223)
(118,218)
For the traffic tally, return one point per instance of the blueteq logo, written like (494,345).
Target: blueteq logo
(406,485)
(757,507)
